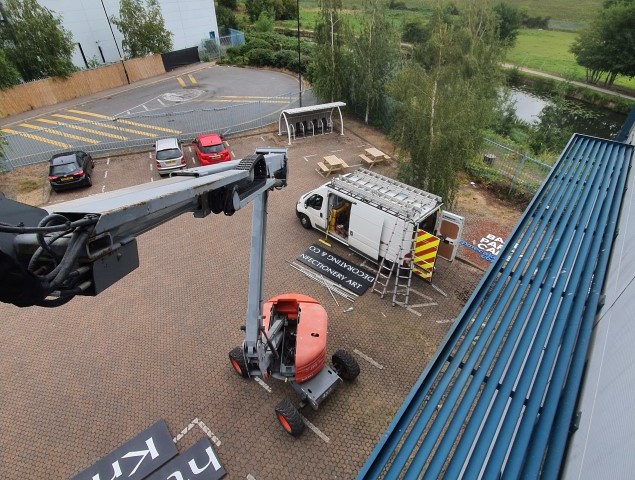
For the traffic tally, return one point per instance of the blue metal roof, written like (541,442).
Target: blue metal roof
(499,395)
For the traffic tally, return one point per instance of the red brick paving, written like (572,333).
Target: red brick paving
(80,380)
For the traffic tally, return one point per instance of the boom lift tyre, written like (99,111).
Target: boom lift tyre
(289,418)
(345,365)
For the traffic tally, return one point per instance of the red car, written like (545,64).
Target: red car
(210,148)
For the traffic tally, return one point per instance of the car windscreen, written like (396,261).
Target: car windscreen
(64,168)
(168,154)
(212,148)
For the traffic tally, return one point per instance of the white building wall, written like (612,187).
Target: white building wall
(191,22)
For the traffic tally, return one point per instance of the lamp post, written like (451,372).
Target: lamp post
(299,58)
(115,40)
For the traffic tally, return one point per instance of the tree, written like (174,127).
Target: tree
(226,19)
(446,97)
(34,41)
(607,47)
(329,70)
(374,56)
(510,19)
(9,75)
(230,4)
(143,28)
(278,9)
(413,29)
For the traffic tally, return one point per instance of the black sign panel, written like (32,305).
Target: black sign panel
(137,458)
(338,269)
(199,462)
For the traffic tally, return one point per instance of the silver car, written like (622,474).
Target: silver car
(168,155)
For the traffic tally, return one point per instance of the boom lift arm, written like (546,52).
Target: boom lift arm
(83,246)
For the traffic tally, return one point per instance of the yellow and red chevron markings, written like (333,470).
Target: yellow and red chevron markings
(425,254)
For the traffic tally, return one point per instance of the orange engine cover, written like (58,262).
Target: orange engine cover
(310,334)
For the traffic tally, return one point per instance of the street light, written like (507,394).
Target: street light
(115,40)
(299,58)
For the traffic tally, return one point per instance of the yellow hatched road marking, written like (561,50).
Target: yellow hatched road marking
(35,137)
(127,122)
(181,81)
(103,125)
(234,101)
(60,133)
(241,96)
(192,79)
(83,129)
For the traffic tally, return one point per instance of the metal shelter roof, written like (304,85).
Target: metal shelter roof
(311,110)
(498,398)
(409,203)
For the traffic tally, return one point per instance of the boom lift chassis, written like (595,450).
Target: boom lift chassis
(83,246)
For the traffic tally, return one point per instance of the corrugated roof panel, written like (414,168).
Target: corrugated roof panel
(497,395)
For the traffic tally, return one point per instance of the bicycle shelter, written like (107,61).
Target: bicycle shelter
(307,121)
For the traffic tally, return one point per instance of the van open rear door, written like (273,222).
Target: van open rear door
(449,231)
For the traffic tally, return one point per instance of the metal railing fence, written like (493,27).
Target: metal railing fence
(510,168)
(32,145)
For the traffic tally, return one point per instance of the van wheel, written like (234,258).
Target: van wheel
(304,220)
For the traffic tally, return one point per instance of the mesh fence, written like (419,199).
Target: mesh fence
(37,140)
(521,174)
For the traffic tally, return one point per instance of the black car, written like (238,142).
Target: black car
(70,169)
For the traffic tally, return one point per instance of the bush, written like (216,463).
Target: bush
(535,22)
(265,23)
(230,4)
(254,42)
(260,57)
(413,30)
(285,58)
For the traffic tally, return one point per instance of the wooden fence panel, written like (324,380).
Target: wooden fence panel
(50,91)
(146,67)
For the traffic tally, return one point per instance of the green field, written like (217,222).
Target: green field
(565,14)
(548,51)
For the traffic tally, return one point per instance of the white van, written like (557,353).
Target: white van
(374,215)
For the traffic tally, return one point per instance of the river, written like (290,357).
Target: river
(602,123)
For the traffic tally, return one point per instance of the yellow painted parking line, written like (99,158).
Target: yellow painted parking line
(181,81)
(83,129)
(244,97)
(103,125)
(151,127)
(127,122)
(192,79)
(60,133)
(35,137)
(217,100)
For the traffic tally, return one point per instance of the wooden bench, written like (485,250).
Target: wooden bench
(364,158)
(322,168)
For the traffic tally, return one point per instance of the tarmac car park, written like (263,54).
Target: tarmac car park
(76,385)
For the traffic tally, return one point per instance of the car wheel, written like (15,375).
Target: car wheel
(345,365)
(237,359)
(304,220)
(89,180)
(289,418)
